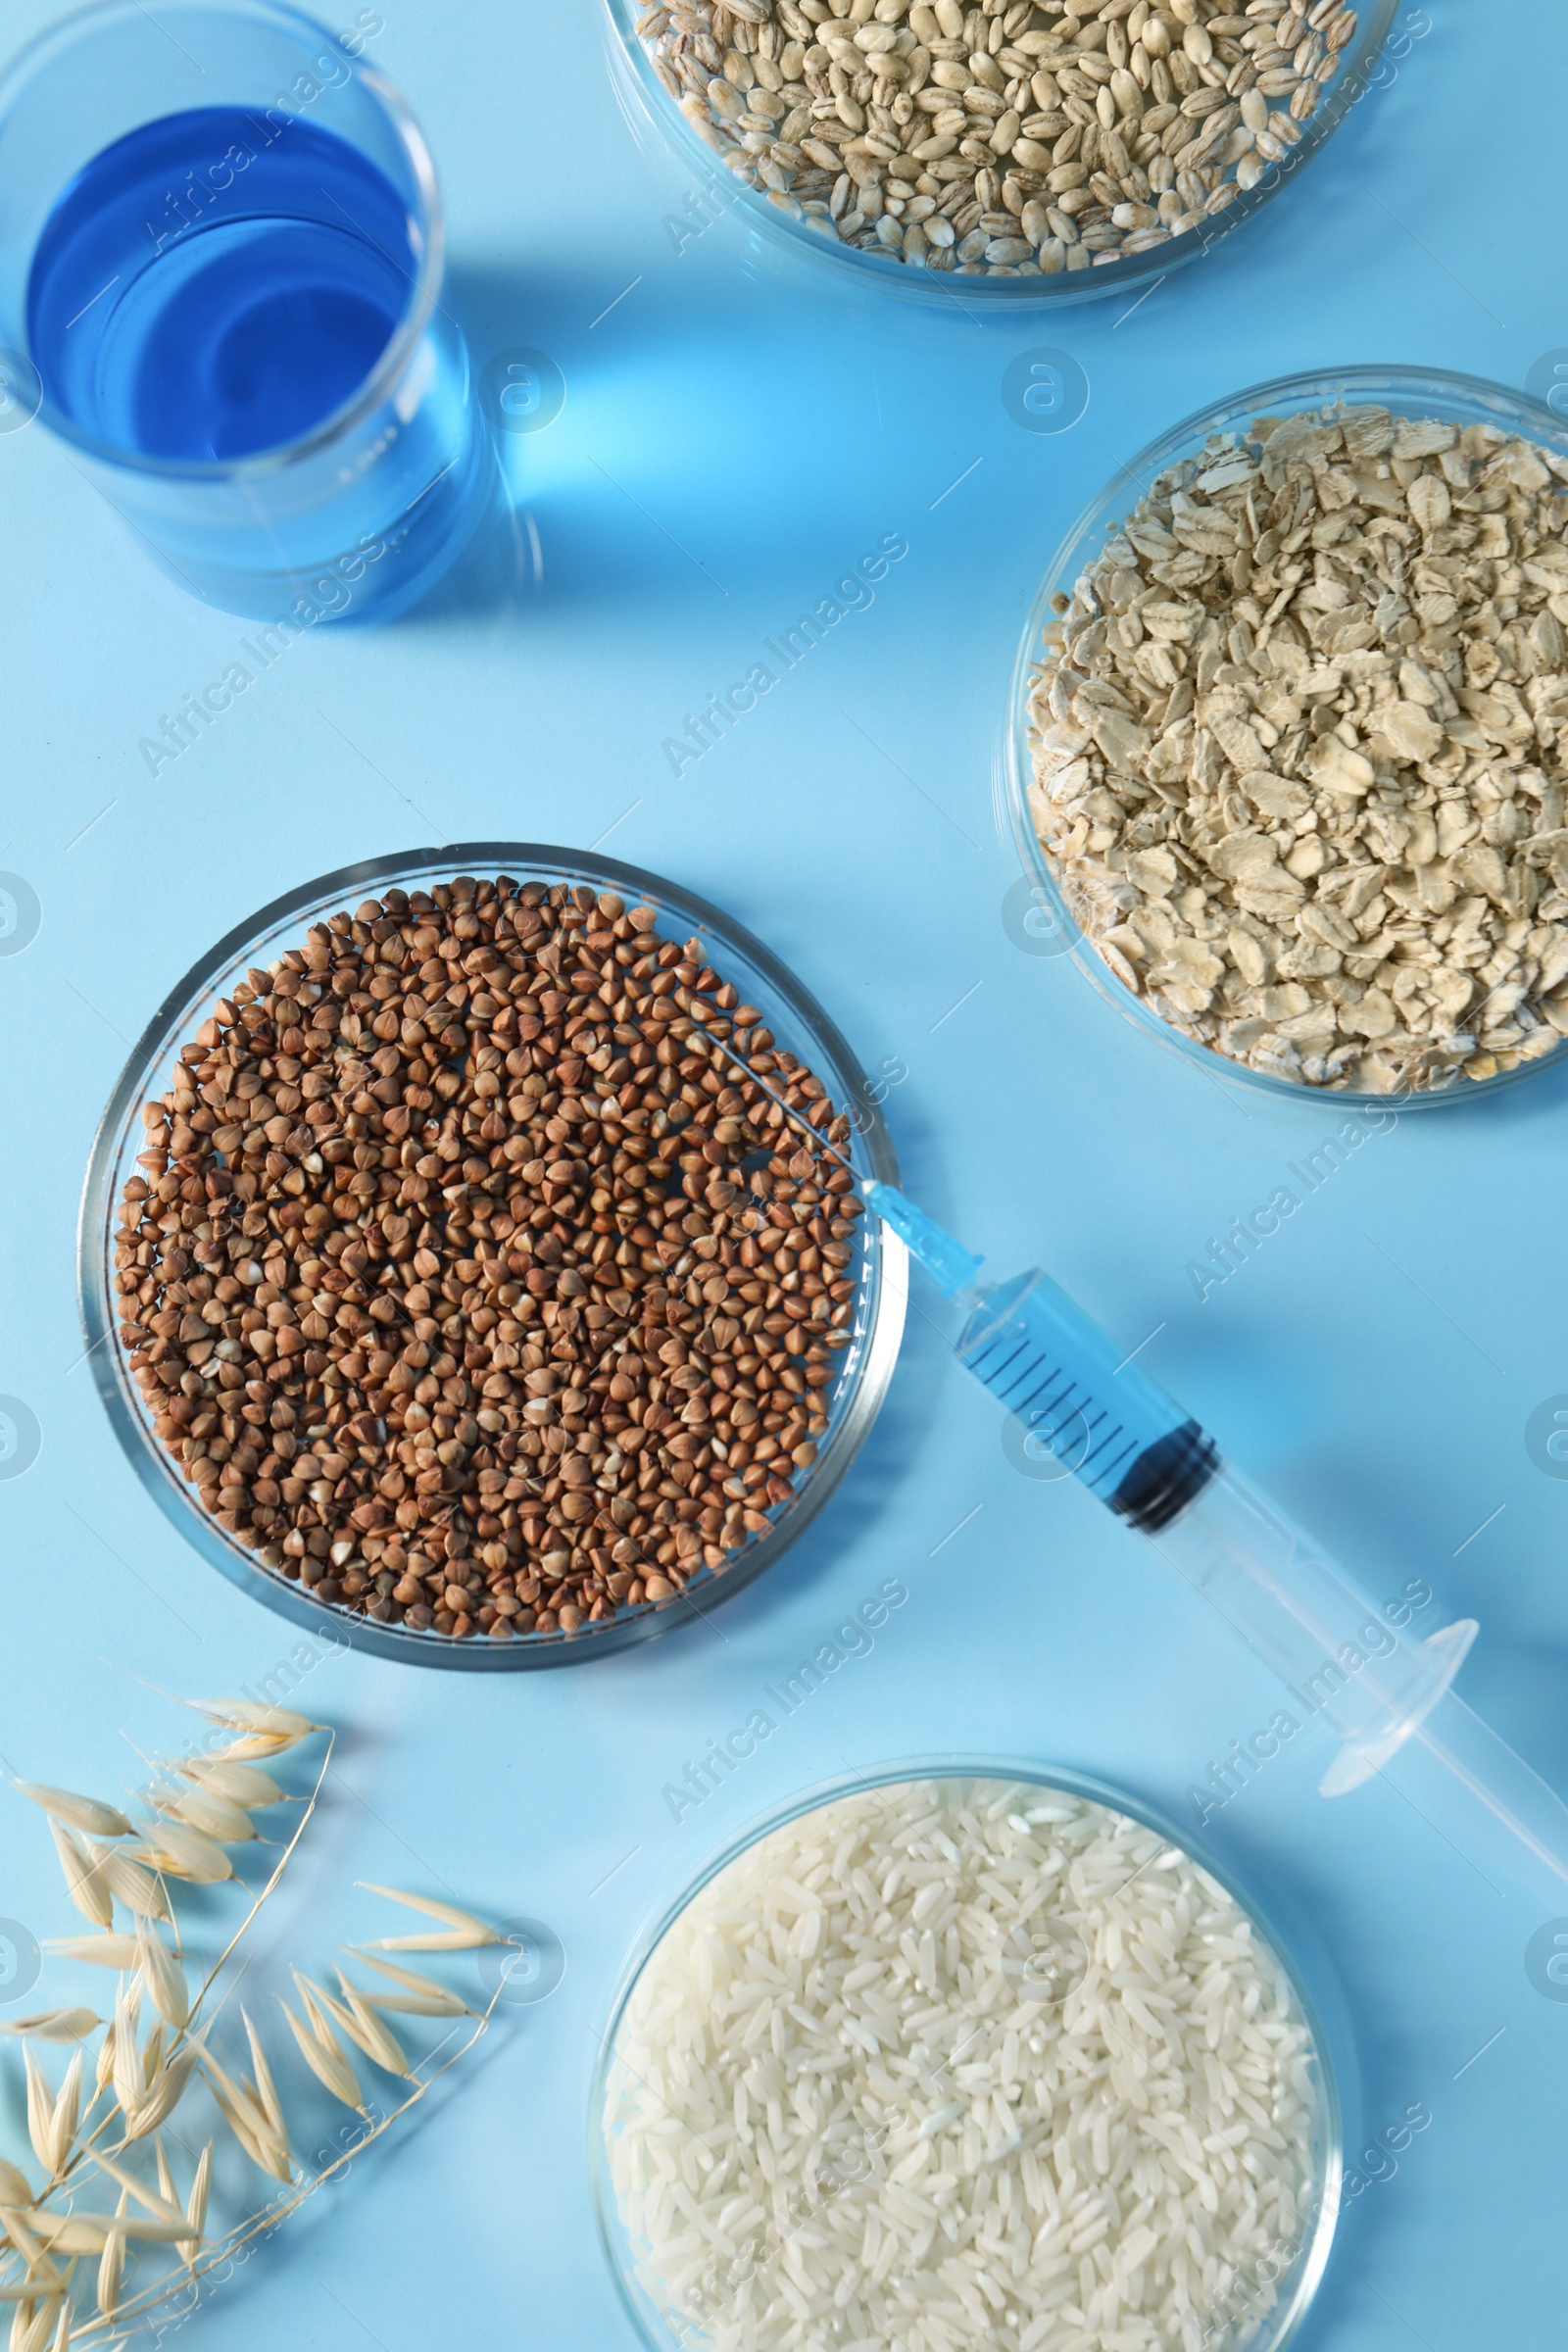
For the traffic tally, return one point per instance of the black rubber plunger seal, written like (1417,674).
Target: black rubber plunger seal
(1162,1482)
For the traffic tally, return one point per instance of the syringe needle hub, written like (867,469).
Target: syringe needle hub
(951,1267)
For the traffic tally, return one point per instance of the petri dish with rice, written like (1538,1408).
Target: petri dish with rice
(964,2058)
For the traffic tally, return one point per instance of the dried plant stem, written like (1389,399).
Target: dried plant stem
(278,1868)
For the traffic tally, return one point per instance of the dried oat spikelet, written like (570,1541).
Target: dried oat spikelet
(77,1812)
(87,1886)
(125,2058)
(50,2120)
(178,1851)
(70,2233)
(130,1882)
(90,2233)
(201,1809)
(132,2003)
(363,2027)
(267,2093)
(165,2179)
(250,1715)
(241,1748)
(243,2108)
(29,2329)
(164,1976)
(463,1933)
(99,1951)
(148,2087)
(68,2113)
(14,2189)
(199,2190)
(422,1996)
(55,2025)
(239,1783)
(165,2087)
(112,2266)
(320,2047)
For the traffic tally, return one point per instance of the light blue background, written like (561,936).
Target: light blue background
(733,436)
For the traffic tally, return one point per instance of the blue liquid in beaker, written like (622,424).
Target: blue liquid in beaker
(217,283)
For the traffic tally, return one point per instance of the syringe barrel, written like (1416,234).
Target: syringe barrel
(1096,1412)
(1084,1401)
(1339,1653)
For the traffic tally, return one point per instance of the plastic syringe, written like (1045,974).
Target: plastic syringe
(1103,1417)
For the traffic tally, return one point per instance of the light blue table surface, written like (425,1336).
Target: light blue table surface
(734,436)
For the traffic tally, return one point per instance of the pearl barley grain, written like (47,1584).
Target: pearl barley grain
(842,117)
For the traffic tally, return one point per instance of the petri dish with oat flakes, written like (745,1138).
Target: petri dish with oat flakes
(1191,652)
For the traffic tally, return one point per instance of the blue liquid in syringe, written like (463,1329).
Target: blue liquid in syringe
(1094,1409)
(217,283)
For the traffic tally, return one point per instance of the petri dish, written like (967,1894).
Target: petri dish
(799,1026)
(1212,431)
(731,2269)
(783,224)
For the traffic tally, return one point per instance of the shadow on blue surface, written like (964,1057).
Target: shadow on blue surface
(651,515)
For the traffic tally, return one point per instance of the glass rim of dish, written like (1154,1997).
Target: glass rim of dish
(1474,399)
(638,83)
(1331,2051)
(47,47)
(859,1391)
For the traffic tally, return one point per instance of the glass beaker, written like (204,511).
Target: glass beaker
(220,259)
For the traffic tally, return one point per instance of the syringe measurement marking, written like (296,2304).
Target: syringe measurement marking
(1131,1447)
(1002,1388)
